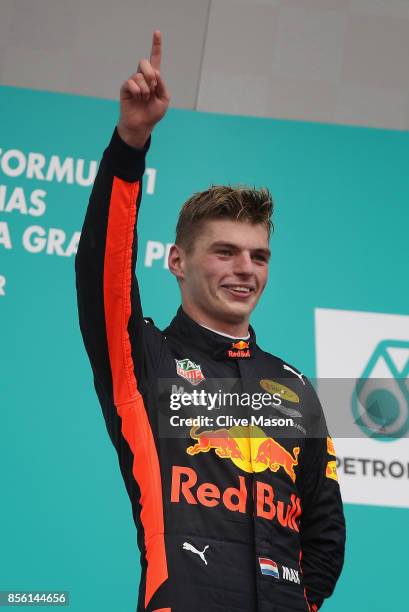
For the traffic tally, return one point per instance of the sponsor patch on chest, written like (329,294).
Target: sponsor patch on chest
(189,370)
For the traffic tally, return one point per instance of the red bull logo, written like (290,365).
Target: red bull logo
(331,470)
(220,440)
(239,349)
(275,456)
(185,488)
(240,345)
(249,449)
(330,446)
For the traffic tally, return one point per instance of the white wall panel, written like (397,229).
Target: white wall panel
(309,44)
(372,106)
(342,61)
(90,46)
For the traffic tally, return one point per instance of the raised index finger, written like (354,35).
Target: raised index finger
(156,51)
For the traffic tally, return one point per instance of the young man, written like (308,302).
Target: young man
(242,517)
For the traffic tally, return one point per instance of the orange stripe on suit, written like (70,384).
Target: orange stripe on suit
(128,400)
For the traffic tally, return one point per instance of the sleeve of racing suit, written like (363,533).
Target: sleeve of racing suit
(124,349)
(121,346)
(322,528)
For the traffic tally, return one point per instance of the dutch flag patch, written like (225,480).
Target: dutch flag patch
(268,567)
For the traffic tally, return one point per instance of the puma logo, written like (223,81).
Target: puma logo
(187,546)
(300,376)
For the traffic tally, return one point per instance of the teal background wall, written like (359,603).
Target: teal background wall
(342,221)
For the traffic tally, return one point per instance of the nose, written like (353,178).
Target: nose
(243,264)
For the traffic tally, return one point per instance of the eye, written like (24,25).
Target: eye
(260,257)
(224,252)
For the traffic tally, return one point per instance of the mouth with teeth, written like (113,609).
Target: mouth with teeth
(239,291)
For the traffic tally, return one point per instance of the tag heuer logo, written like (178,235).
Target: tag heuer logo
(189,370)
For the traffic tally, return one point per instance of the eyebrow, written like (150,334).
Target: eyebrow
(230,245)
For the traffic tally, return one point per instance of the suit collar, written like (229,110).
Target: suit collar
(218,346)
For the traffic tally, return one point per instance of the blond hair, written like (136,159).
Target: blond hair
(236,203)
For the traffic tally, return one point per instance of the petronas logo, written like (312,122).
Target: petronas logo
(380,402)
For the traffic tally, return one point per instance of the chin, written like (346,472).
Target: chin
(235,314)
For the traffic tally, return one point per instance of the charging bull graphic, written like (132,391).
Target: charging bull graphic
(249,448)
(274,456)
(224,445)
(239,349)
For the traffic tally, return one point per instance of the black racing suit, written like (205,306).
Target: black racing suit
(233,515)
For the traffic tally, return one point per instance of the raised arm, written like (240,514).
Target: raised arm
(110,314)
(144,98)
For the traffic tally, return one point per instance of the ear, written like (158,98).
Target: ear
(176,261)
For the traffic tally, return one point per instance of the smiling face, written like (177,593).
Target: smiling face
(223,277)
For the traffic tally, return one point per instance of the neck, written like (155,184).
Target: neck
(234,329)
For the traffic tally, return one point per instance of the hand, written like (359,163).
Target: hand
(144,98)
